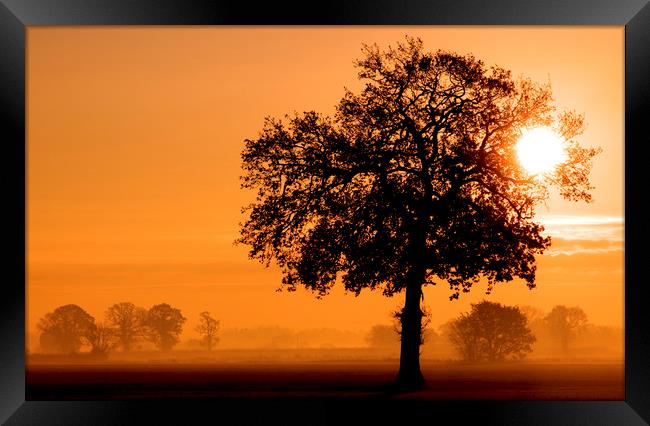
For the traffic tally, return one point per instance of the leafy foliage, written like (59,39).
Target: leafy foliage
(491,332)
(208,328)
(163,326)
(414,179)
(565,322)
(128,322)
(65,329)
(102,338)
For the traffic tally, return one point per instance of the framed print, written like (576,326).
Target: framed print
(359,212)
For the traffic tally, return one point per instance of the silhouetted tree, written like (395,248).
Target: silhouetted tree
(65,329)
(102,338)
(413,181)
(208,328)
(564,322)
(491,332)
(163,325)
(128,321)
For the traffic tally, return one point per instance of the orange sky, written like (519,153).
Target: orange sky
(133,143)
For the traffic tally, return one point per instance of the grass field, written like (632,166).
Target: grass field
(323,379)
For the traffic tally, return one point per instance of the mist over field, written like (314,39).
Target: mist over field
(274,343)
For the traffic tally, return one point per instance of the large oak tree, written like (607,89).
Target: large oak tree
(413,181)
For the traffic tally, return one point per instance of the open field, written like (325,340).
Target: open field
(370,379)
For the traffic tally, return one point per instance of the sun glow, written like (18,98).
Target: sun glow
(540,150)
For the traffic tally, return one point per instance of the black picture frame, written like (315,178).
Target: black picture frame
(16,15)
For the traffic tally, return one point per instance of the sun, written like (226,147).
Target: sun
(540,150)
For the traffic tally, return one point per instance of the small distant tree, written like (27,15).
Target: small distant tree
(491,332)
(65,329)
(102,338)
(128,322)
(208,328)
(383,336)
(564,323)
(532,313)
(163,326)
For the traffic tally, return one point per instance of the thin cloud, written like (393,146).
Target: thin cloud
(594,228)
(578,249)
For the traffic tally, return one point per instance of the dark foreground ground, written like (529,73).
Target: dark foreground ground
(330,379)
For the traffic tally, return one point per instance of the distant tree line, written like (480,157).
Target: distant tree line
(492,332)
(69,327)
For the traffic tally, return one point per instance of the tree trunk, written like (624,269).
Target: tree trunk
(409,376)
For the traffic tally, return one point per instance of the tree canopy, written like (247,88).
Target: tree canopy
(416,174)
(102,338)
(65,329)
(491,332)
(208,328)
(164,325)
(128,321)
(565,322)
